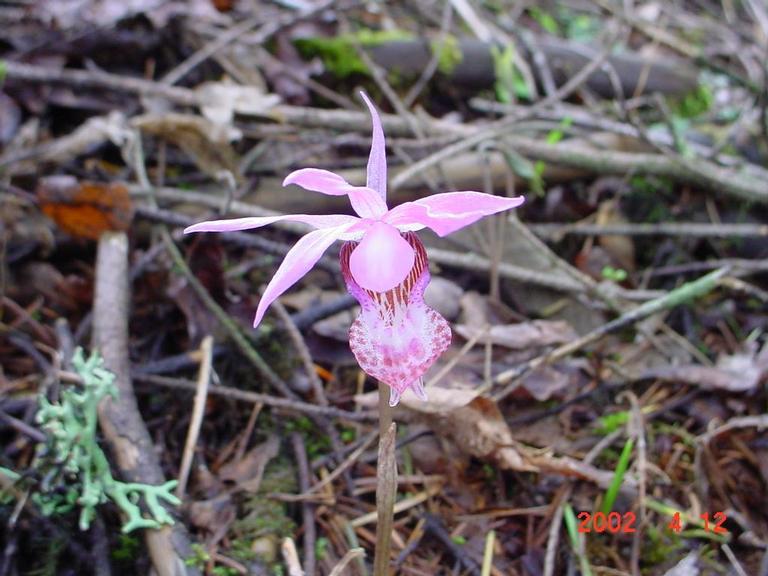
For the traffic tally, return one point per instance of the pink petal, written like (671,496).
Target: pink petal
(382,260)
(234,224)
(377,160)
(305,253)
(365,201)
(446,213)
(397,337)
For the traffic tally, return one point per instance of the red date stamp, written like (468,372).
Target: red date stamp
(615,522)
(612,522)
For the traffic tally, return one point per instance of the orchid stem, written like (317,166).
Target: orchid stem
(386,488)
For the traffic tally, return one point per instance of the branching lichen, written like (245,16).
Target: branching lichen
(74,470)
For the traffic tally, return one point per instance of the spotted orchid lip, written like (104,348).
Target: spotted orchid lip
(397,337)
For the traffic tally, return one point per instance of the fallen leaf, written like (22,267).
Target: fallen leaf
(211,514)
(620,248)
(247,472)
(85,209)
(220,101)
(523,335)
(472,422)
(546,381)
(206,142)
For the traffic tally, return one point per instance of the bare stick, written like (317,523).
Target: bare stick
(690,229)
(120,420)
(266,399)
(338,570)
(291,557)
(198,409)
(307,510)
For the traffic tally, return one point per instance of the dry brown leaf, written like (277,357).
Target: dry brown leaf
(475,425)
(472,422)
(211,514)
(207,143)
(85,209)
(521,336)
(247,472)
(621,248)
(545,382)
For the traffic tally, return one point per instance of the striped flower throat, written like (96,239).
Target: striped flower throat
(396,337)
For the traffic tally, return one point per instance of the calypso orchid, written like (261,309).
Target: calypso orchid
(396,337)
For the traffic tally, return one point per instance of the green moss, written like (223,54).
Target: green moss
(265,516)
(448,53)
(694,103)
(339,54)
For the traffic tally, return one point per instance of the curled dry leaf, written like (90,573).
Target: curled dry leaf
(522,336)
(472,422)
(220,101)
(85,209)
(475,425)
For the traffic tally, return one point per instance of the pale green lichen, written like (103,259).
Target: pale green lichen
(73,468)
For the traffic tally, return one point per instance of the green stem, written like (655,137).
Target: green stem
(386,488)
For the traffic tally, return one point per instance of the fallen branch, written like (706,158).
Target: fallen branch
(120,420)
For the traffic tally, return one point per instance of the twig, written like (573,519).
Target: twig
(303,351)
(246,434)
(739,184)
(99,80)
(254,397)
(198,410)
(354,553)
(225,38)
(291,557)
(307,510)
(234,331)
(120,421)
(23,427)
(553,231)
(434,62)
(490,541)
(337,471)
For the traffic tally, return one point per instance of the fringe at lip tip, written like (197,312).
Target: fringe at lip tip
(417,387)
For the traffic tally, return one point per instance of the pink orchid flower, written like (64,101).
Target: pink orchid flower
(396,337)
